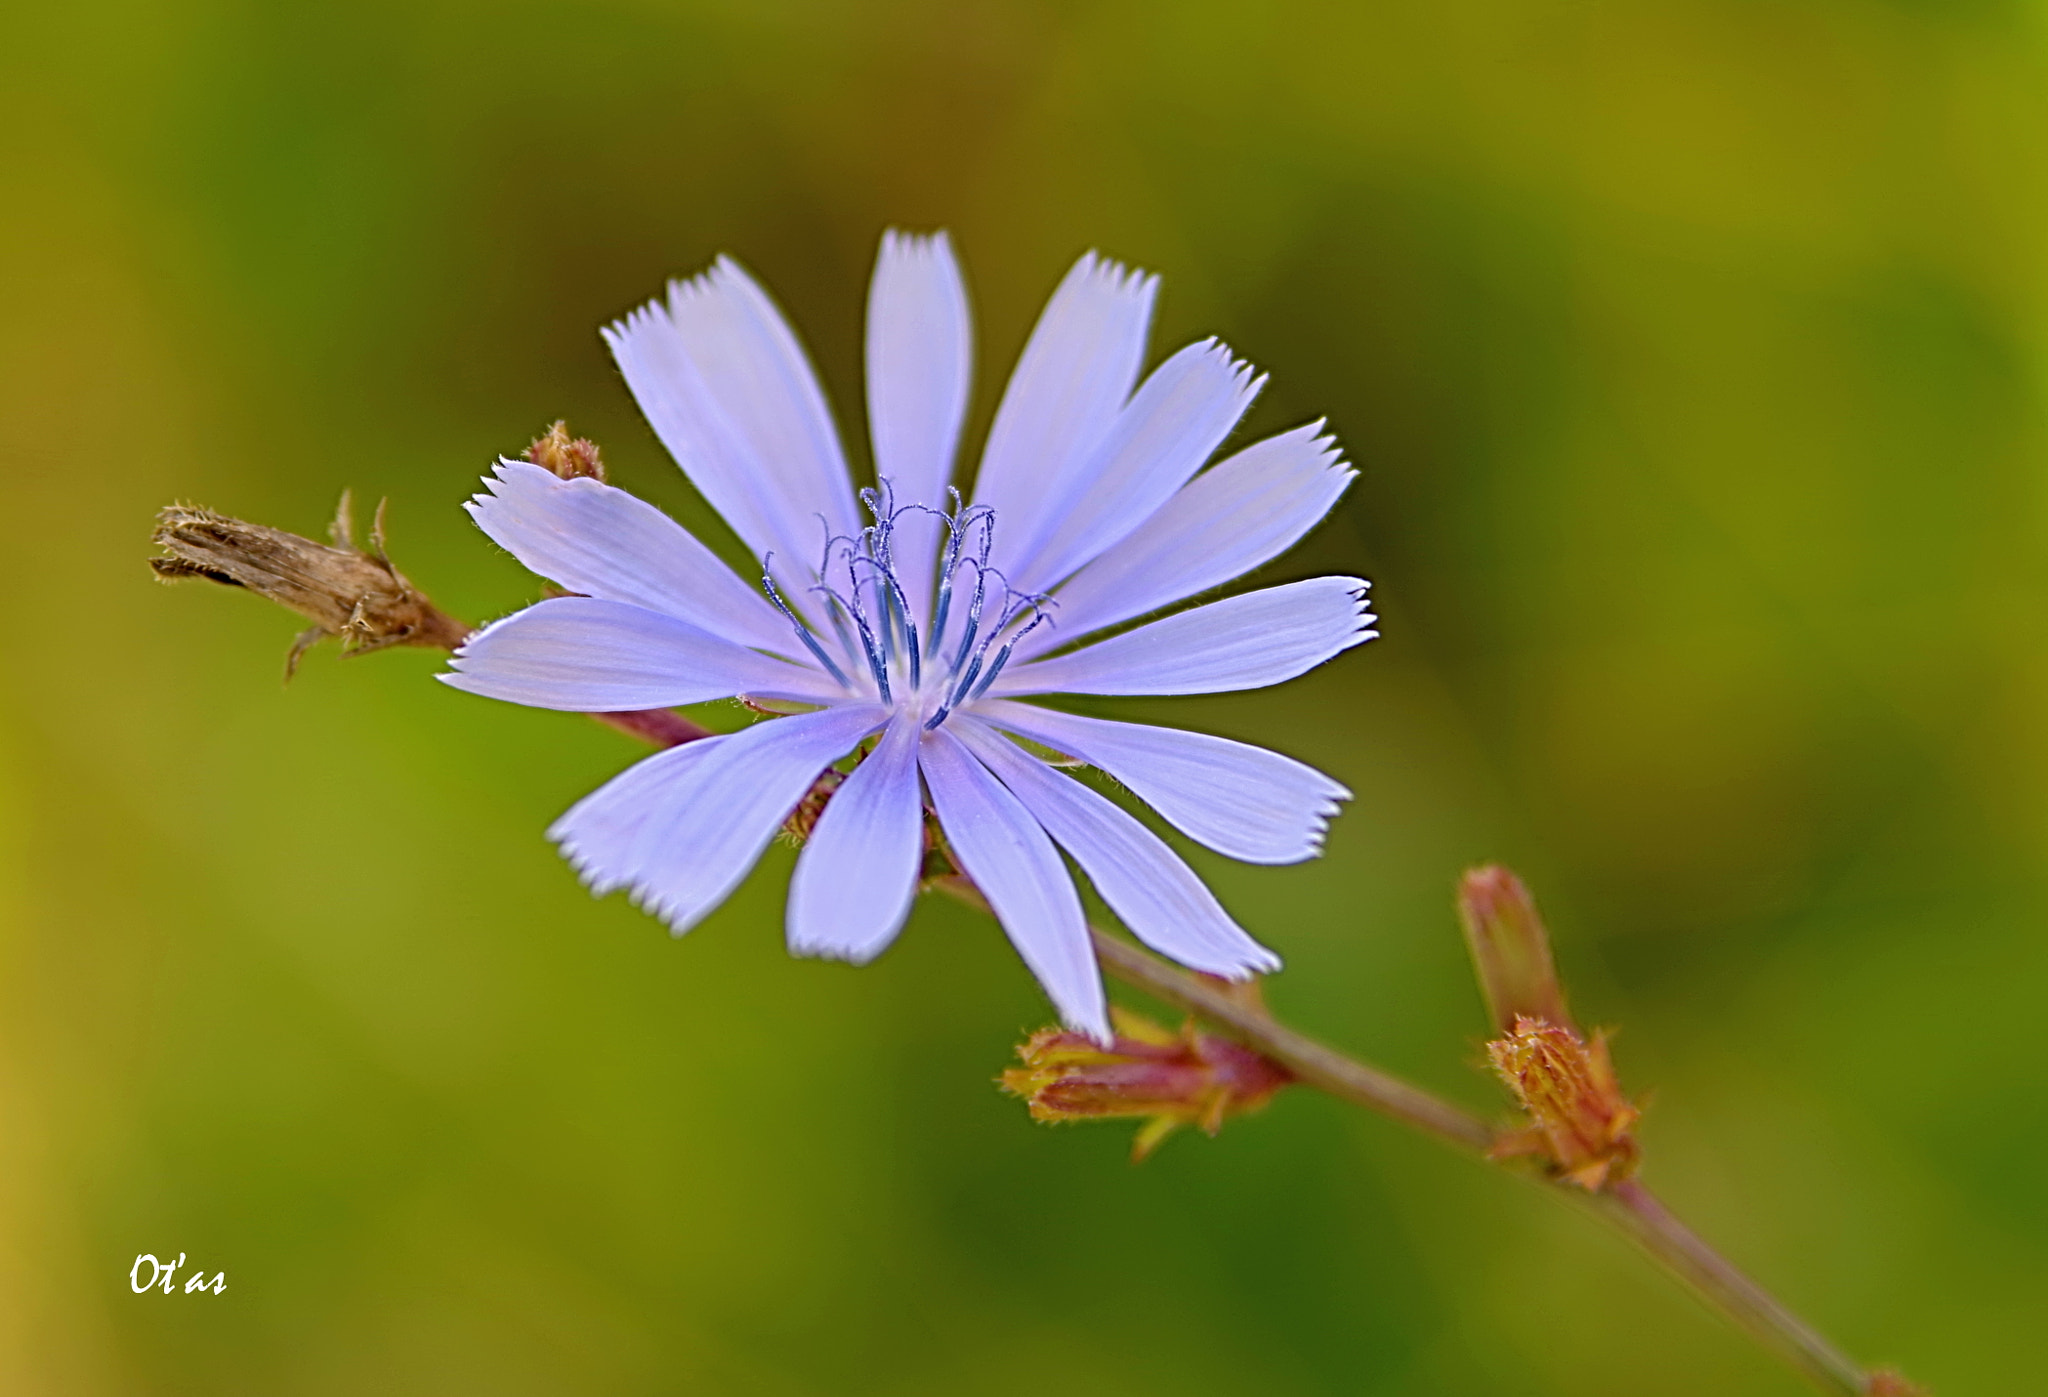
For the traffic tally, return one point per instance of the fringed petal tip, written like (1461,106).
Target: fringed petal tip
(1368,622)
(585,867)
(723,277)
(622,330)
(1316,830)
(1254,961)
(637,321)
(1268,964)
(462,656)
(935,246)
(509,473)
(830,950)
(1119,278)
(655,906)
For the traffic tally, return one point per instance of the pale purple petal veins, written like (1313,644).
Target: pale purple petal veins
(1008,855)
(1173,424)
(591,656)
(920,357)
(1145,883)
(1236,516)
(1242,642)
(858,872)
(602,542)
(1240,800)
(713,452)
(758,373)
(1072,379)
(692,839)
(728,389)
(597,833)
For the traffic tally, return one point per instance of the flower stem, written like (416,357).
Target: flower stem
(1638,1214)
(229,550)
(1628,1207)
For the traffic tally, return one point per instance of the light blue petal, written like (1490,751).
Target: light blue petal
(1243,801)
(1228,520)
(1243,642)
(1070,382)
(1175,423)
(591,656)
(920,358)
(598,833)
(683,837)
(1148,885)
(726,386)
(858,872)
(1004,850)
(605,543)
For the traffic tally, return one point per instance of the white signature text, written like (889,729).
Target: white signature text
(165,1274)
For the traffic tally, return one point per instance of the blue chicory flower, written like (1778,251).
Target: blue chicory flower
(905,612)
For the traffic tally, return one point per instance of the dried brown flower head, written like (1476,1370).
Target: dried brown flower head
(1580,1123)
(357,597)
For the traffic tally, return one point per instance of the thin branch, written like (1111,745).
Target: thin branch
(362,598)
(1628,1207)
(1312,1062)
(1638,1214)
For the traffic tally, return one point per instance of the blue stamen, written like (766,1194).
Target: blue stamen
(867,642)
(870,612)
(1003,655)
(973,617)
(960,690)
(803,632)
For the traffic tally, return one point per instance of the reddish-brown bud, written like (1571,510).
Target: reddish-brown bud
(1170,1079)
(1886,1383)
(1510,949)
(564,455)
(1580,1123)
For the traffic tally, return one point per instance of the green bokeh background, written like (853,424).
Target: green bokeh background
(1691,353)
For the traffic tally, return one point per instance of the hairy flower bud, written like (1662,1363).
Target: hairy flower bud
(1149,1071)
(357,597)
(1580,1123)
(1510,949)
(801,821)
(569,457)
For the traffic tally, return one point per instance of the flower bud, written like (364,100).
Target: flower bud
(1510,949)
(1148,1071)
(357,597)
(1886,1383)
(1580,1123)
(566,456)
(797,827)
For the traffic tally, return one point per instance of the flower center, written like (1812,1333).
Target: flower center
(932,660)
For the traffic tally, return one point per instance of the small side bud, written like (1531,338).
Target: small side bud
(1510,949)
(1580,1123)
(804,818)
(1150,1072)
(566,456)
(357,597)
(1886,1383)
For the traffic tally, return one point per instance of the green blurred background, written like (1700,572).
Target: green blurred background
(1691,351)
